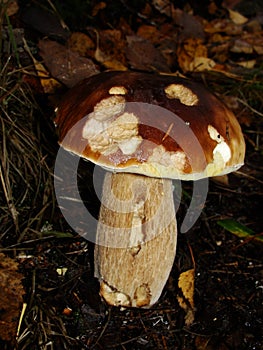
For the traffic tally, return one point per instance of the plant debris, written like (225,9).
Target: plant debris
(11,298)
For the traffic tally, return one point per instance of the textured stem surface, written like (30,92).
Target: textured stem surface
(136,239)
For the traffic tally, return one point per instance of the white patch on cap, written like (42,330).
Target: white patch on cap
(222,151)
(130,146)
(176,160)
(214,134)
(123,127)
(107,136)
(118,90)
(95,129)
(109,107)
(182,93)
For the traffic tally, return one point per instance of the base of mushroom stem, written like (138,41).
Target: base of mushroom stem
(136,239)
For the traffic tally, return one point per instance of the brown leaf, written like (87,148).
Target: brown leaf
(98,7)
(12,7)
(191,54)
(49,84)
(249,43)
(44,83)
(219,47)
(150,33)
(82,44)
(242,46)
(11,297)
(111,47)
(164,37)
(65,65)
(164,6)
(190,26)
(142,55)
(223,25)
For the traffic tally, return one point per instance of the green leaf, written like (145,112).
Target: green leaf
(239,230)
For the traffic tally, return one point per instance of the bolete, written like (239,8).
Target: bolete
(145,130)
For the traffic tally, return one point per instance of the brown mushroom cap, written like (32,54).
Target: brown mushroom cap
(155,125)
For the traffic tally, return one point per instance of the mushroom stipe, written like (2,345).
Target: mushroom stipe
(144,233)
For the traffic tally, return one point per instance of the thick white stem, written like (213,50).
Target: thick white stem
(136,239)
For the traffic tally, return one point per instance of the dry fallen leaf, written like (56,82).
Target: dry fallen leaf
(163,6)
(200,64)
(81,43)
(149,32)
(223,25)
(192,56)
(249,43)
(186,295)
(110,50)
(11,298)
(98,7)
(164,38)
(49,84)
(249,64)
(65,65)
(12,7)
(190,26)
(45,82)
(241,46)
(142,55)
(219,47)
(236,17)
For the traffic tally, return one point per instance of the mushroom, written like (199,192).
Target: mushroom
(145,130)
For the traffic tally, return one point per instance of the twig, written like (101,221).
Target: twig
(248,106)
(103,330)
(249,177)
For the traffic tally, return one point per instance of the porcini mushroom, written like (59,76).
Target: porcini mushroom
(145,130)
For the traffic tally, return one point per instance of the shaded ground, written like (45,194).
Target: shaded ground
(63,308)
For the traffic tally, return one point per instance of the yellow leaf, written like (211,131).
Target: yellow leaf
(186,295)
(113,64)
(200,64)
(49,85)
(247,64)
(189,51)
(237,18)
(242,46)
